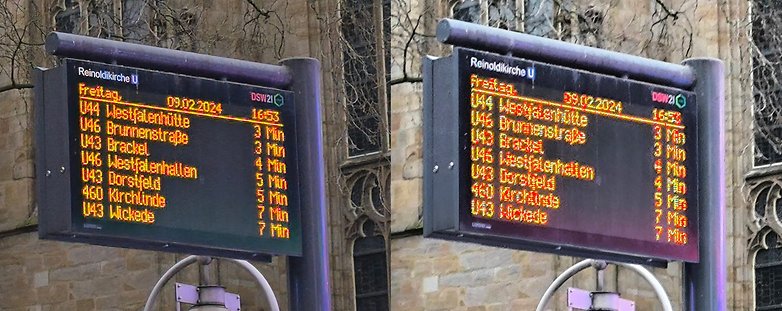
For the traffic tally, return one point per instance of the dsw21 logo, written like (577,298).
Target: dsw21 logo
(678,100)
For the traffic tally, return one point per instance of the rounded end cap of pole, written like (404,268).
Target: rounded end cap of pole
(443,30)
(299,61)
(204,260)
(52,43)
(702,59)
(599,264)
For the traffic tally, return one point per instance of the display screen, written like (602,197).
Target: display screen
(572,158)
(166,158)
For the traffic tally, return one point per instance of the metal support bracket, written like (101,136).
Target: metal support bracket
(196,295)
(580,299)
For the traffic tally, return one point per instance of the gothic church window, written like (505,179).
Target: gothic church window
(370,262)
(767,87)
(366,127)
(768,275)
(366,38)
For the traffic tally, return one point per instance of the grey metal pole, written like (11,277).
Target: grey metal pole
(155,58)
(205,271)
(501,41)
(600,269)
(704,282)
(308,279)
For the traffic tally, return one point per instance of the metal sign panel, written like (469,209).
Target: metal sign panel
(529,155)
(145,159)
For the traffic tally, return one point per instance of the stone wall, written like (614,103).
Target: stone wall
(430,274)
(49,275)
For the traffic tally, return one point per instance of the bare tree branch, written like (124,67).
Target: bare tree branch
(668,12)
(15,86)
(261,12)
(405,79)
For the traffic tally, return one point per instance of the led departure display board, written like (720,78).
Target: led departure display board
(536,156)
(138,158)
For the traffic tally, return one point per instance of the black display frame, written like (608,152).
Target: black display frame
(447,168)
(57,165)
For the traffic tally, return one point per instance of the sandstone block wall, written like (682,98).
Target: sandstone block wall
(430,274)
